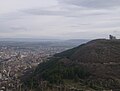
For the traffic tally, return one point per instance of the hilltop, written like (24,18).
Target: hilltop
(93,65)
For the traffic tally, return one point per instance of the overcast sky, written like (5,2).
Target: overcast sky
(59,19)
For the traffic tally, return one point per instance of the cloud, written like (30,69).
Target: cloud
(60,18)
(11,16)
(92,3)
(18,28)
(44,12)
(65,11)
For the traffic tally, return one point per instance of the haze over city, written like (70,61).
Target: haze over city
(59,19)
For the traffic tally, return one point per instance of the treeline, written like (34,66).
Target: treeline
(61,72)
(55,72)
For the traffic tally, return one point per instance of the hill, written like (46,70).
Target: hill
(93,65)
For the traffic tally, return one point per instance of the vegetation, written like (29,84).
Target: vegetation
(93,65)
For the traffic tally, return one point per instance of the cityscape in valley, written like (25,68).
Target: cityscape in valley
(59,45)
(18,58)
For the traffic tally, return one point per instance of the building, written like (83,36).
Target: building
(111,37)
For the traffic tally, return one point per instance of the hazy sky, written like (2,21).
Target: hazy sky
(64,19)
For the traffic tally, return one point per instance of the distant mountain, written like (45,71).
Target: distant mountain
(28,39)
(93,65)
(40,40)
(28,42)
(49,42)
(72,42)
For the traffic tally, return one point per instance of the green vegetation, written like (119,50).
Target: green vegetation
(59,71)
(95,65)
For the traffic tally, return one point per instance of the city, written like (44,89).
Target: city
(17,58)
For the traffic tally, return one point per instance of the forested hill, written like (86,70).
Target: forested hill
(95,51)
(94,65)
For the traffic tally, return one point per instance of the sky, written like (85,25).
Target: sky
(59,19)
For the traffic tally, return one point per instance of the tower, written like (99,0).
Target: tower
(111,37)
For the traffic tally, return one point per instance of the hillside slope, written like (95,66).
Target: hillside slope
(95,65)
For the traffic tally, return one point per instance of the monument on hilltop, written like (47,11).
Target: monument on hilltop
(111,37)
